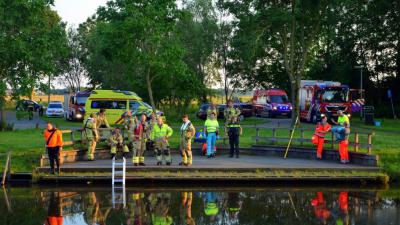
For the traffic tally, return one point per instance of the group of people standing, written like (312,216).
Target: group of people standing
(341,131)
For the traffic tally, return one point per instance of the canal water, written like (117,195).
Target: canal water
(190,206)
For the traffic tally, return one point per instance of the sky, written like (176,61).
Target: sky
(75,12)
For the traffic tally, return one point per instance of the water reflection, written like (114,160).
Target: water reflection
(201,207)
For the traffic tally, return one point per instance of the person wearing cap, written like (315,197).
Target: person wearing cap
(318,138)
(344,143)
(116,141)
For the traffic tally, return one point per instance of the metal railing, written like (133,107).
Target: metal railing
(355,143)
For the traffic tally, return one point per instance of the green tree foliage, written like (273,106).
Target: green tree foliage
(32,44)
(132,44)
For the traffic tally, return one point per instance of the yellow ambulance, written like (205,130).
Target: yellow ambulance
(116,103)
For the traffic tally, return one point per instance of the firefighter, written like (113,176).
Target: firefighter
(116,141)
(101,121)
(186,208)
(54,143)
(187,133)
(137,211)
(319,136)
(344,143)
(150,142)
(160,134)
(140,136)
(212,109)
(92,136)
(230,112)
(233,130)
(211,127)
(129,125)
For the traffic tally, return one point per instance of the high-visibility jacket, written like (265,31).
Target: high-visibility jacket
(321,129)
(102,120)
(229,113)
(161,131)
(342,119)
(90,129)
(211,125)
(55,140)
(211,209)
(187,131)
(130,123)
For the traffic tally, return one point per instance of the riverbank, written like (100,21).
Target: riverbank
(27,145)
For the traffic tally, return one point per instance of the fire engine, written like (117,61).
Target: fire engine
(323,97)
(75,105)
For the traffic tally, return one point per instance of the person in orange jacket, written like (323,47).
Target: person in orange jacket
(344,144)
(54,143)
(318,138)
(320,210)
(54,213)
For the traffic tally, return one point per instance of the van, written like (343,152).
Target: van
(272,103)
(116,103)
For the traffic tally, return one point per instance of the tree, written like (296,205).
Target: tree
(285,29)
(31,43)
(132,44)
(74,73)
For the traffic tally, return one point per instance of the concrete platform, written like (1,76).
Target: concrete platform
(250,169)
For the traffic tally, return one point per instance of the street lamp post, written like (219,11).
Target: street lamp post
(361,85)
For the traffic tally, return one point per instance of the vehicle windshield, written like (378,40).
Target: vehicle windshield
(55,106)
(147,105)
(279,99)
(335,95)
(81,101)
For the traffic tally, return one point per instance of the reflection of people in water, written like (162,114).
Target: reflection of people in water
(186,209)
(137,210)
(233,205)
(211,205)
(93,213)
(54,213)
(343,218)
(160,204)
(320,210)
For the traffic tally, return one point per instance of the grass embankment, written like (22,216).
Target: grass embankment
(27,145)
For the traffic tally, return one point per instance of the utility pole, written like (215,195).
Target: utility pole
(361,86)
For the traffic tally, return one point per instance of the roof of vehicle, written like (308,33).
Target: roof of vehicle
(85,93)
(113,94)
(269,92)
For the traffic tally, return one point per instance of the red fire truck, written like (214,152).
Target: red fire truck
(323,97)
(75,105)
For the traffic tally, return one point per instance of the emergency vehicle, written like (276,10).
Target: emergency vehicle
(117,103)
(272,102)
(75,105)
(323,97)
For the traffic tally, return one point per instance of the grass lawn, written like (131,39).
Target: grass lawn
(27,145)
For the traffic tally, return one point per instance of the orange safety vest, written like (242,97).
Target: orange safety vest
(321,129)
(55,140)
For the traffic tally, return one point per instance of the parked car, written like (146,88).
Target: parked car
(55,109)
(246,109)
(23,105)
(202,113)
(221,109)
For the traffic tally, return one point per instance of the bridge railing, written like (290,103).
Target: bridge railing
(358,140)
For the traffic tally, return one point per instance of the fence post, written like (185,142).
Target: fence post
(302,136)
(257,134)
(273,136)
(369,144)
(356,144)
(72,138)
